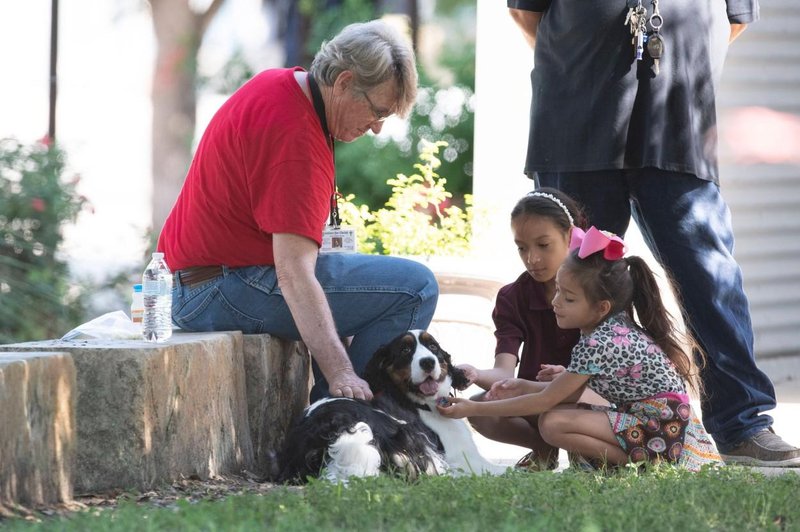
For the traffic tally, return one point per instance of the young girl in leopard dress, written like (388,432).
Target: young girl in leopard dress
(640,366)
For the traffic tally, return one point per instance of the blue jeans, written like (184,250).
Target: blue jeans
(372,298)
(686,224)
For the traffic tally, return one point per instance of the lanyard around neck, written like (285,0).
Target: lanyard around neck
(319,107)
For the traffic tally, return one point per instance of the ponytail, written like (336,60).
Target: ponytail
(658,322)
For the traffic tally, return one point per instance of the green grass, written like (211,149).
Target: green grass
(659,500)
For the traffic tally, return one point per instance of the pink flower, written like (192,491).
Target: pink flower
(38,204)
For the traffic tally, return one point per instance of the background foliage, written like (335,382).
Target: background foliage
(444,112)
(36,300)
(416,219)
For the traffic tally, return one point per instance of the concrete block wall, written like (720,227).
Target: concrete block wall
(200,404)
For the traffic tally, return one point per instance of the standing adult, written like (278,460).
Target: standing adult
(626,136)
(245,233)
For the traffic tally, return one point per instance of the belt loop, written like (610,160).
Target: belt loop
(225,270)
(177,286)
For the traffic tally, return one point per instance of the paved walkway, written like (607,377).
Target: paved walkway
(463,327)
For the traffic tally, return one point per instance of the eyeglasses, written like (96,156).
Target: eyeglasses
(379,114)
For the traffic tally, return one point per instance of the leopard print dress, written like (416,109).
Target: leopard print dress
(650,413)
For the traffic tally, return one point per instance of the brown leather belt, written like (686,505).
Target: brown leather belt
(197,274)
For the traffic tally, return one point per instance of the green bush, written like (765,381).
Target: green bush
(36,301)
(417,219)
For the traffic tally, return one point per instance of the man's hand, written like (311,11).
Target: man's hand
(348,384)
(295,261)
(736,30)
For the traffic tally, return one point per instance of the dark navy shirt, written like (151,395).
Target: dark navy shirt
(523,317)
(594,107)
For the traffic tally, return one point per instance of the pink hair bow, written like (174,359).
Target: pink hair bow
(595,240)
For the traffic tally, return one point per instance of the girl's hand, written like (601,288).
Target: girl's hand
(549,372)
(470,372)
(506,389)
(456,407)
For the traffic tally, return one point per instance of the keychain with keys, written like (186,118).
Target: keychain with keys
(655,43)
(637,19)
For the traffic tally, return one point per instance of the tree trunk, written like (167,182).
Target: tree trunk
(179,31)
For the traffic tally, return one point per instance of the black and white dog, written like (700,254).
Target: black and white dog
(399,432)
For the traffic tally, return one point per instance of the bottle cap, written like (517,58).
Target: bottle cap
(137,288)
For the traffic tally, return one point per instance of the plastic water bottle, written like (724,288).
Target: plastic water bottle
(157,299)
(137,304)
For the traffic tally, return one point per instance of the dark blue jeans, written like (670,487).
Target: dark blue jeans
(686,224)
(372,298)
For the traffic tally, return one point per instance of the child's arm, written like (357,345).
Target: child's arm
(504,364)
(508,388)
(566,388)
(549,372)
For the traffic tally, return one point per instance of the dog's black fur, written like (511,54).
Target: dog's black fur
(406,445)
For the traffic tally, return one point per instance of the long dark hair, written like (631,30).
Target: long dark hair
(629,284)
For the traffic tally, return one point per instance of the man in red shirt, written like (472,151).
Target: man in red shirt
(245,233)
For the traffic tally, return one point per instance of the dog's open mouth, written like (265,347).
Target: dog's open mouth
(428,387)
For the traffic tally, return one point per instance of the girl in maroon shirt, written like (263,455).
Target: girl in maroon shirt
(541,223)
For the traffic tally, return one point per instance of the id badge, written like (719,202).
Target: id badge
(338,240)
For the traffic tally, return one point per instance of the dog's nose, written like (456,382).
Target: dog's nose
(427,364)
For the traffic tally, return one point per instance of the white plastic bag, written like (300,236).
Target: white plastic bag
(111,326)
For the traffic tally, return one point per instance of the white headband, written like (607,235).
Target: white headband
(556,201)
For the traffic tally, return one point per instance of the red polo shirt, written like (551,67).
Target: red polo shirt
(263,166)
(523,316)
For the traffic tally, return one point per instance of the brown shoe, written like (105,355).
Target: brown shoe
(531,462)
(764,449)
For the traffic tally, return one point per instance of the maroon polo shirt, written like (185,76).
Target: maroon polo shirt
(523,316)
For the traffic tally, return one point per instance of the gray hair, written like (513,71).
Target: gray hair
(374,52)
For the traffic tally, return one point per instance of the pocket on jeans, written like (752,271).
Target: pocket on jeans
(213,312)
(262,278)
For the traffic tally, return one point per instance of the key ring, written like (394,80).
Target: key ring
(656,21)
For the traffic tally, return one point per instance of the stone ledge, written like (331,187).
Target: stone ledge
(150,413)
(37,434)
(278,374)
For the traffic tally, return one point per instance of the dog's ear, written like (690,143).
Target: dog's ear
(458,376)
(375,372)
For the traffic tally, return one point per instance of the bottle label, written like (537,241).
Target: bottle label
(156,287)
